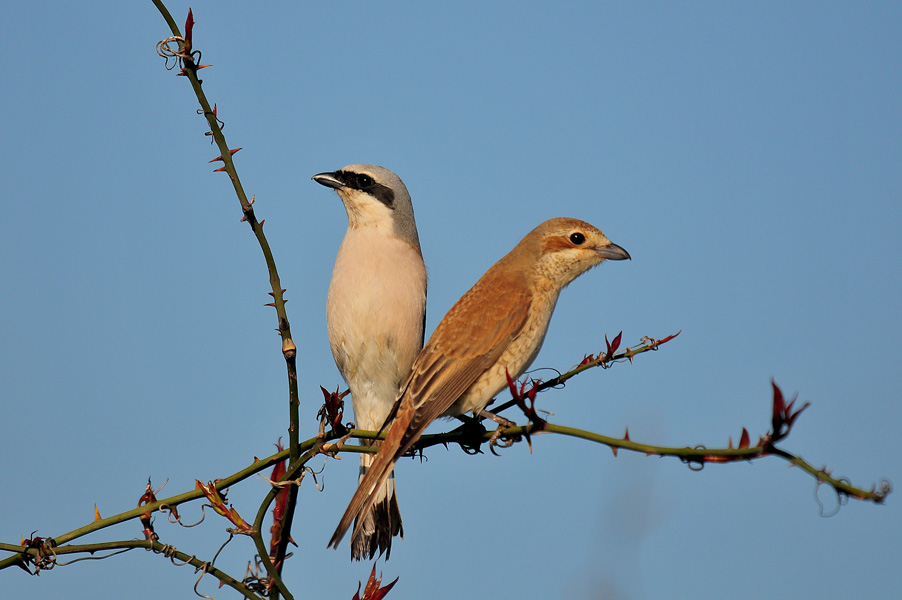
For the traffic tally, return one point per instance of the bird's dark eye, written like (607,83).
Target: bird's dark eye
(577,238)
(364,181)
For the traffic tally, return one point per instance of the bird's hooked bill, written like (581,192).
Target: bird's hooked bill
(614,252)
(328,180)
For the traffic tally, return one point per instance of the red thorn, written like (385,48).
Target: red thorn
(199,67)
(231,152)
(669,337)
(273,304)
(626,436)
(614,450)
(744,439)
(262,222)
(219,169)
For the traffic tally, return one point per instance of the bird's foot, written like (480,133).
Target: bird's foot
(498,439)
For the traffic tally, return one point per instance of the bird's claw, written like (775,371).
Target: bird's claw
(498,439)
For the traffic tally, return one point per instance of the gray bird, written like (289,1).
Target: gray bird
(376,313)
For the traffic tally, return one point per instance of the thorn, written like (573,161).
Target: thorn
(254,197)
(614,450)
(730,443)
(231,153)
(744,439)
(96,513)
(273,304)
(262,222)
(243,219)
(626,436)
(219,169)
(199,67)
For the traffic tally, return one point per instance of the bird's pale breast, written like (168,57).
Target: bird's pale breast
(375,318)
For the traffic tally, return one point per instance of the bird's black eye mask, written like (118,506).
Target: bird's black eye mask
(365,183)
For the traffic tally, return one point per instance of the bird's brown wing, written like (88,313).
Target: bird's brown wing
(469,339)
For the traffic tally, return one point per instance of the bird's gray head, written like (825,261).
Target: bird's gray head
(373,197)
(562,249)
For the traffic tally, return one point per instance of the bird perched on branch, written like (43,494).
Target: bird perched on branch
(495,329)
(376,313)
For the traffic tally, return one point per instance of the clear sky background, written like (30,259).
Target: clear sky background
(748,155)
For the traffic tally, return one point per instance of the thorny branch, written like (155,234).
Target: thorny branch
(188,58)
(783,419)
(41,552)
(263,580)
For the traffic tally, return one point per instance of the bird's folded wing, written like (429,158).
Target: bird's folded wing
(469,341)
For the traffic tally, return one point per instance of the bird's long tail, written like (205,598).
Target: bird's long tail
(372,485)
(374,529)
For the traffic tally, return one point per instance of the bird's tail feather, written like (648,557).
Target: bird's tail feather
(372,485)
(374,529)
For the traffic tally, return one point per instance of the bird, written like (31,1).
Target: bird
(496,329)
(376,317)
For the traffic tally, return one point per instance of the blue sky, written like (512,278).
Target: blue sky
(746,154)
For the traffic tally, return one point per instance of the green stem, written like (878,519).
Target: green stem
(289,350)
(176,500)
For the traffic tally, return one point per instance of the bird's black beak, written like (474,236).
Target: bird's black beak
(614,252)
(329,180)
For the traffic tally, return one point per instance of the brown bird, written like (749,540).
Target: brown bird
(496,328)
